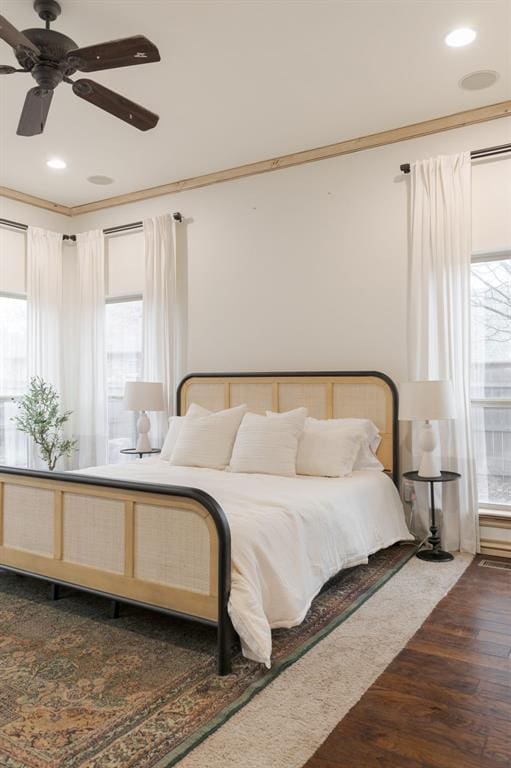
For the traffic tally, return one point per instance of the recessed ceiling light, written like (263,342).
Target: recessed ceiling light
(101,180)
(476,81)
(56,163)
(460,37)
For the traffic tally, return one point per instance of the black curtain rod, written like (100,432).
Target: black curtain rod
(110,231)
(135,225)
(501,149)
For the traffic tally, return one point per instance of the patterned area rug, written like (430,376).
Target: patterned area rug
(81,690)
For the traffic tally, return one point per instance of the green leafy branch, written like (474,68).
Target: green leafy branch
(39,416)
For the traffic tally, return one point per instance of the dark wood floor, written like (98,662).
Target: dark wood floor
(445,701)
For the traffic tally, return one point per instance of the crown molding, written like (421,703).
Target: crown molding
(38,202)
(371,141)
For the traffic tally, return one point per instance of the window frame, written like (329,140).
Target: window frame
(480,257)
(120,299)
(8,398)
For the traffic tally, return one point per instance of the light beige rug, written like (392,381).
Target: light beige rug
(285,723)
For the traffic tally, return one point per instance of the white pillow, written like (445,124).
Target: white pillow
(268,445)
(206,441)
(175,424)
(327,449)
(366,458)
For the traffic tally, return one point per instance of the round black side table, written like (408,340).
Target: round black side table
(134,452)
(435,554)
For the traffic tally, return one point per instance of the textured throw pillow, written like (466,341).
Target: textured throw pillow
(365,457)
(206,441)
(268,445)
(327,449)
(175,423)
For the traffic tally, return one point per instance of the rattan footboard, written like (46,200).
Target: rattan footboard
(165,547)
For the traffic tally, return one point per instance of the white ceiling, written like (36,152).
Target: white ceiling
(246,80)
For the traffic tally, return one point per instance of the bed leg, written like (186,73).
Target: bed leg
(54,591)
(225,635)
(115,609)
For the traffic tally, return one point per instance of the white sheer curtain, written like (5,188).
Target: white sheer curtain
(90,420)
(160,344)
(44,304)
(44,312)
(439,325)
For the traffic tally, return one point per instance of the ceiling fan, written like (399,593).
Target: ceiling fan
(51,58)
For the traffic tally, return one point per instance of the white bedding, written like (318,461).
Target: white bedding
(289,535)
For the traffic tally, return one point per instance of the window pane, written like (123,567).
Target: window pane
(492,438)
(491,378)
(124,363)
(491,329)
(13,377)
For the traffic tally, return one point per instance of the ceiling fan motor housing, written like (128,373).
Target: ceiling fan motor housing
(50,67)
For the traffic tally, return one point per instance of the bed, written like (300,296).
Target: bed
(248,552)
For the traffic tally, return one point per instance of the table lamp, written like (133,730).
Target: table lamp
(143,396)
(427,401)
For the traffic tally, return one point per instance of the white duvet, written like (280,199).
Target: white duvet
(289,535)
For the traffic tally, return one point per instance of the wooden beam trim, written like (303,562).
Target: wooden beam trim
(349,146)
(37,202)
(404,133)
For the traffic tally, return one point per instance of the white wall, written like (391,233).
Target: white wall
(307,268)
(304,268)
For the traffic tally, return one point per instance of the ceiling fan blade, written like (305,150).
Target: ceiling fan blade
(117,105)
(116,53)
(15,38)
(34,113)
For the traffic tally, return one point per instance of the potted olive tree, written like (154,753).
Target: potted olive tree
(40,417)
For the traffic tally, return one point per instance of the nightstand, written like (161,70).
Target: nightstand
(140,454)
(435,554)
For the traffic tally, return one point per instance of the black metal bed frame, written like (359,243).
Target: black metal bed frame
(223,625)
(225,631)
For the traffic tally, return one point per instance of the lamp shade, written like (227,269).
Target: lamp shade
(426,401)
(143,396)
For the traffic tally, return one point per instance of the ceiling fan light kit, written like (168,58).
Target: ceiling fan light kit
(52,58)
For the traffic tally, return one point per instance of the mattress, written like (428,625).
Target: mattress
(289,535)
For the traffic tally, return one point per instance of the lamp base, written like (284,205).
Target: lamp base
(430,461)
(432,555)
(143,427)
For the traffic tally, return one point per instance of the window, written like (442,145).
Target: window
(13,376)
(491,377)
(124,363)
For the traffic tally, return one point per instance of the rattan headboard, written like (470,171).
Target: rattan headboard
(327,395)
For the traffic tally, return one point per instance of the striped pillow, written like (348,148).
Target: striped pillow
(206,441)
(268,445)
(175,424)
